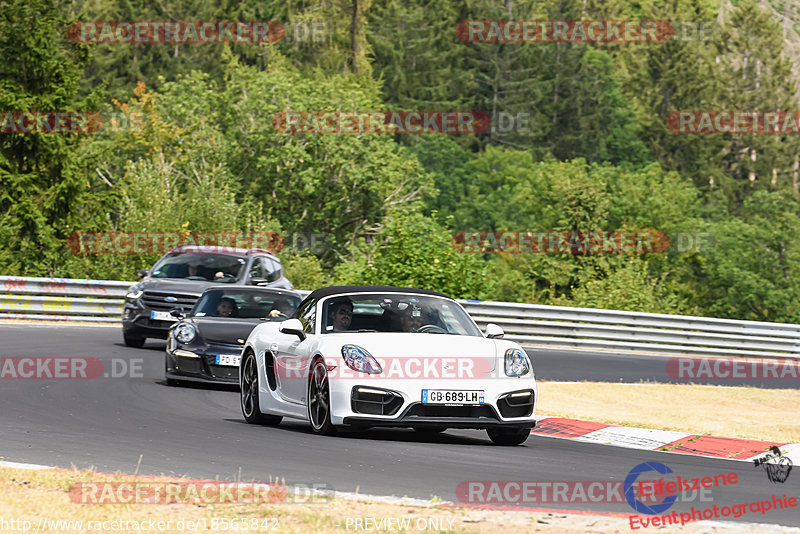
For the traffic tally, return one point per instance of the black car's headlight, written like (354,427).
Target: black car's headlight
(517,363)
(359,359)
(134,292)
(184,333)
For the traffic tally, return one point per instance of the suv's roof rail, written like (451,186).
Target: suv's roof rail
(180,246)
(259,250)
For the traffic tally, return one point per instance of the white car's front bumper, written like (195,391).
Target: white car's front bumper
(357,402)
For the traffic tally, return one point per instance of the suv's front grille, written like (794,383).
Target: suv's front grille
(155,300)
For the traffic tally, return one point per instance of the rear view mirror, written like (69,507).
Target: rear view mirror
(177,313)
(143,272)
(292,327)
(494,332)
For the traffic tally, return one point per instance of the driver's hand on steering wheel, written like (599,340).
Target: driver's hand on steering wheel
(219,275)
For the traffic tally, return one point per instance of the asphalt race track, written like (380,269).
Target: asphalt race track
(198,431)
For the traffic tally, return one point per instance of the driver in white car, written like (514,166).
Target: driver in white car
(411,319)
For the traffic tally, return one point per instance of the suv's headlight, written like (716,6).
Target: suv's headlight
(517,363)
(134,292)
(184,333)
(359,359)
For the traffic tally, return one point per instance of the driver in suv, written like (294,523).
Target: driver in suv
(178,279)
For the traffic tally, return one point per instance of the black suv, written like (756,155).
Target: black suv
(179,278)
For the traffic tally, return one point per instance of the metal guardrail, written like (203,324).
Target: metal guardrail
(61,299)
(555,326)
(626,331)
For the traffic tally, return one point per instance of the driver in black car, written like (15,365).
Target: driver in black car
(281,308)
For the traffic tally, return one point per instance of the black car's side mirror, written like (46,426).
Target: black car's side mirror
(292,327)
(259,281)
(177,313)
(143,272)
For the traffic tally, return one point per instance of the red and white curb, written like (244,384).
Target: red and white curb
(744,450)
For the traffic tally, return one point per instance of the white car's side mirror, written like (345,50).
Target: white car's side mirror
(494,332)
(292,327)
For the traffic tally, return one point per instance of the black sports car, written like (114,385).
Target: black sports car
(206,345)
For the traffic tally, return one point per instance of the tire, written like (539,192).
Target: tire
(248,384)
(508,437)
(133,341)
(172,382)
(319,399)
(429,430)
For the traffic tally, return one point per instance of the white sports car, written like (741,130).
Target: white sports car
(362,356)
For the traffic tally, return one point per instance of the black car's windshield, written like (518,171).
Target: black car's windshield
(396,312)
(205,267)
(246,304)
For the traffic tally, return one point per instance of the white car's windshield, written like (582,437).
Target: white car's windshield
(206,267)
(395,312)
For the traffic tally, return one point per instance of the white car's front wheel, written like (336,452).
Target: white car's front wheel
(248,383)
(502,436)
(319,398)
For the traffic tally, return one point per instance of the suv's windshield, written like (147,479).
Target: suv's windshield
(245,304)
(394,312)
(206,267)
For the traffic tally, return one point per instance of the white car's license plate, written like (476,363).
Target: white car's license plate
(229,359)
(452,396)
(162,316)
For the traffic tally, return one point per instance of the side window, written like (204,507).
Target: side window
(273,269)
(307,315)
(256,270)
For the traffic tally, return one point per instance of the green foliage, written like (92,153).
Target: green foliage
(199,149)
(413,251)
(42,190)
(304,270)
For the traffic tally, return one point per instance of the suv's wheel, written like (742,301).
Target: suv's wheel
(248,383)
(133,341)
(319,399)
(501,436)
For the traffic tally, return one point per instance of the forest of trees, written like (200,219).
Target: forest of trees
(594,153)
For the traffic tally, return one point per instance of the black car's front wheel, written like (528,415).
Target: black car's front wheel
(248,383)
(319,399)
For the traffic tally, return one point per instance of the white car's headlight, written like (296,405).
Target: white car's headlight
(134,292)
(184,332)
(359,359)
(517,363)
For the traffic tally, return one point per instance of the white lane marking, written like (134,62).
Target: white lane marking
(632,437)
(33,467)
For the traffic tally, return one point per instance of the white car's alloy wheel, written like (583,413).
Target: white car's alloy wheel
(319,398)
(248,384)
